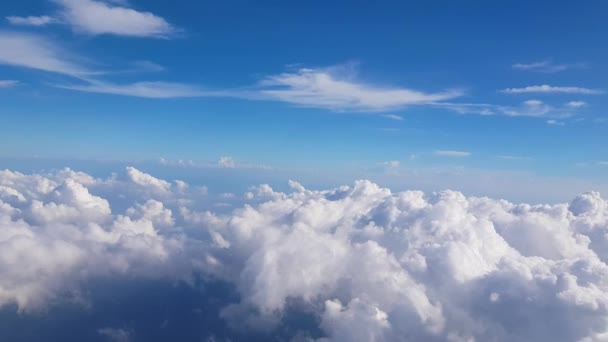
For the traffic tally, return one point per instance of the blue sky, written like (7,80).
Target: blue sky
(422,95)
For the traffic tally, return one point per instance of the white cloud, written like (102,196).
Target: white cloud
(576,104)
(8,83)
(366,262)
(32,20)
(34,52)
(101,17)
(148,181)
(546,66)
(511,157)
(115,335)
(603,163)
(529,108)
(393,117)
(555,122)
(391,163)
(329,88)
(226,163)
(451,153)
(154,90)
(547,89)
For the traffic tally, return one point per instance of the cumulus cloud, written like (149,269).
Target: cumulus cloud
(547,89)
(366,263)
(226,162)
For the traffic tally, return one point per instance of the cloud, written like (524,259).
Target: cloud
(8,83)
(391,163)
(555,122)
(393,117)
(98,17)
(576,104)
(115,335)
(35,52)
(153,90)
(603,163)
(329,88)
(361,261)
(32,20)
(147,181)
(226,163)
(102,17)
(546,66)
(451,153)
(547,89)
(510,157)
(529,108)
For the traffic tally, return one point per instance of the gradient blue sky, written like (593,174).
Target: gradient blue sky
(469,95)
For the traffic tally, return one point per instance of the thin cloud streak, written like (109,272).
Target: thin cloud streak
(452,153)
(546,66)
(8,83)
(547,89)
(42,20)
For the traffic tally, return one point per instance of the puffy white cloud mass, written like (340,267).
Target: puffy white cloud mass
(367,263)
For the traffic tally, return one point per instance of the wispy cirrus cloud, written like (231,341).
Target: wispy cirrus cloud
(326,88)
(547,89)
(529,108)
(42,20)
(576,104)
(393,117)
(332,88)
(98,17)
(152,90)
(36,52)
(547,66)
(452,153)
(553,122)
(8,83)
(512,157)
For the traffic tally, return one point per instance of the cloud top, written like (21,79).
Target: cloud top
(368,263)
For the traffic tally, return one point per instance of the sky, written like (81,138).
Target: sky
(337,90)
(304,171)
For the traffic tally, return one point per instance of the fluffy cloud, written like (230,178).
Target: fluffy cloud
(368,264)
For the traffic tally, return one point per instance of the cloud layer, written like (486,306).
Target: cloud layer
(367,264)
